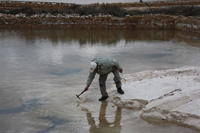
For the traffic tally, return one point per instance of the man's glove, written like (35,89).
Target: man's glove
(121,70)
(86,88)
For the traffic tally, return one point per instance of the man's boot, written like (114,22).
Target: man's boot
(103,98)
(120,91)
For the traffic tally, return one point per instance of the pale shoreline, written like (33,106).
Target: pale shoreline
(164,96)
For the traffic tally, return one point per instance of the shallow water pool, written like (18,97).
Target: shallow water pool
(41,71)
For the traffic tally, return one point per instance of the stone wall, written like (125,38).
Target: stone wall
(190,24)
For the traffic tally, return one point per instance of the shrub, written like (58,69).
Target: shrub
(179,10)
(2,11)
(27,10)
(24,9)
(112,10)
(74,9)
(89,9)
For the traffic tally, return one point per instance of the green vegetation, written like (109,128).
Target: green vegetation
(186,11)
(113,10)
(25,9)
(74,9)
(108,9)
(179,10)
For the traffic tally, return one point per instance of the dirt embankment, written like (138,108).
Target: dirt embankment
(160,4)
(43,19)
(6,5)
(190,24)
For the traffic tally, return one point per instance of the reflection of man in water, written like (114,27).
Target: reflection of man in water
(104,126)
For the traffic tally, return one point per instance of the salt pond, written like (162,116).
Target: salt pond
(42,71)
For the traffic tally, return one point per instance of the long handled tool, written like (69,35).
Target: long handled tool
(80,94)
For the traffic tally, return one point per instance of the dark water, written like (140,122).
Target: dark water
(41,71)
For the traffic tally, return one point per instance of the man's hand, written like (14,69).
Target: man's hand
(86,88)
(121,70)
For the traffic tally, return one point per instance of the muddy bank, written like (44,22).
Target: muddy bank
(165,96)
(135,5)
(189,24)
(46,15)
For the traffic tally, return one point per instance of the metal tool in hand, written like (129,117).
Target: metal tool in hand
(80,94)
